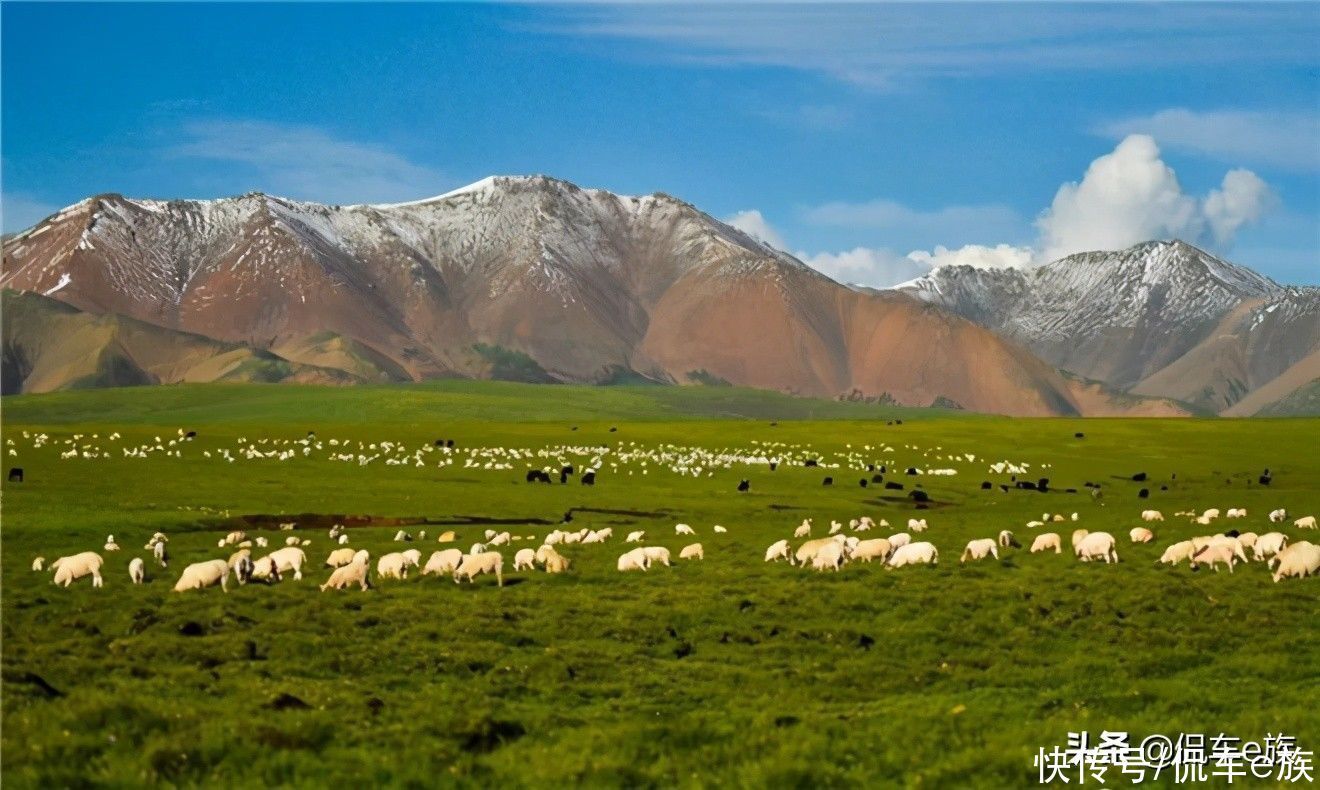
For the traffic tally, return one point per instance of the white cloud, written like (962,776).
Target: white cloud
(19,211)
(883,46)
(309,163)
(1242,200)
(865,266)
(754,225)
(1130,195)
(1282,138)
(1000,256)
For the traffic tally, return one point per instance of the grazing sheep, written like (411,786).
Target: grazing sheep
(1278,516)
(1046,541)
(158,551)
(39,564)
(1269,545)
(979,550)
(447,536)
(683,529)
(1141,535)
(778,551)
(232,538)
(635,537)
(442,562)
(635,560)
(808,551)
(288,559)
(1034,524)
(1247,539)
(803,530)
(1152,515)
(265,569)
(1097,546)
(392,566)
(1236,512)
(339,558)
(658,554)
(524,560)
(1077,537)
(1182,550)
(237,556)
(917,524)
(474,565)
(552,560)
(261,542)
(874,549)
(357,572)
(204,574)
(1231,542)
(110,544)
(1306,522)
(1299,560)
(1213,556)
(291,541)
(413,557)
(914,554)
(899,539)
(719,530)
(137,570)
(692,551)
(829,557)
(501,539)
(72,568)
(1211,514)
(1007,540)
(243,568)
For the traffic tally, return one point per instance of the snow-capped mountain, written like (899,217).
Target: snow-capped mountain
(1140,318)
(518,277)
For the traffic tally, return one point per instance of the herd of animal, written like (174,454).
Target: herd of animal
(1285,557)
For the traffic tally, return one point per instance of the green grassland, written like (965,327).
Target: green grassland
(723,672)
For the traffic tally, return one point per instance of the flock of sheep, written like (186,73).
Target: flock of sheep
(352,568)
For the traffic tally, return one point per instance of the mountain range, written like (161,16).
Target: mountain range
(536,279)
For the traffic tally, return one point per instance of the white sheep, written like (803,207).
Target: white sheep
(159,552)
(39,564)
(635,560)
(1077,537)
(921,553)
(1306,522)
(1278,516)
(110,544)
(803,530)
(1176,553)
(778,551)
(1152,515)
(501,539)
(473,566)
(1269,545)
(874,549)
(339,558)
(657,554)
(1007,539)
(413,557)
(830,557)
(979,550)
(399,537)
(137,570)
(835,527)
(357,572)
(692,551)
(1140,535)
(635,537)
(808,550)
(72,568)
(204,574)
(683,529)
(524,560)
(1299,560)
(392,566)
(917,525)
(899,539)
(1236,512)
(551,560)
(262,542)
(290,558)
(442,562)
(1096,546)
(1212,556)
(719,530)
(1046,541)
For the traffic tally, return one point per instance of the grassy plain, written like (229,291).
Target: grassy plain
(724,672)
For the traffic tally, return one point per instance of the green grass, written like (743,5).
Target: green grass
(725,672)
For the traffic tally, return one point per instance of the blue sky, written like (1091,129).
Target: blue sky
(873,141)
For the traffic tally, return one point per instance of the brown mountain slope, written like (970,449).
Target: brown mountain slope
(530,278)
(51,346)
(1298,377)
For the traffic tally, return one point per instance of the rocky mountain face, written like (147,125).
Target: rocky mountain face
(1160,319)
(533,279)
